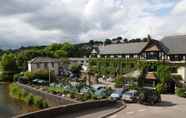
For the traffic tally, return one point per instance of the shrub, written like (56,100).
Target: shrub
(29,99)
(41,74)
(18,93)
(133,86)
(38,102)
(160,88)
(181,92)
(119,82)
(28,75)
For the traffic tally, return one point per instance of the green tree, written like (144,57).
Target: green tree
(8,67)
(75,68)
(164,74)
(107,41)
(61,54)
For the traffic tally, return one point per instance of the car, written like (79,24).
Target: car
(130,96)
(100,94)
(117,94)
(86,89)
(149,95)
(98,87)
(23,80)
(35,81)
(100,90)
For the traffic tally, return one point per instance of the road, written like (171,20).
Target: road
(92,113)
(171,107)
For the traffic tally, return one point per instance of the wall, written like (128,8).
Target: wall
(68,109)
(53,100)
(182,71)
(33,66)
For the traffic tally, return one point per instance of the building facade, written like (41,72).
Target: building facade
(171,49)
(44,63)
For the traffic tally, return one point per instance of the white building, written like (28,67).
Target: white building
(47,63)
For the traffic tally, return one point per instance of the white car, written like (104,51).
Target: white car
(130,96)
(117,94)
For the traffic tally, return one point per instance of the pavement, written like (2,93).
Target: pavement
(171,107)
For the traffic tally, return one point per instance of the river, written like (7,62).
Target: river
(9,106)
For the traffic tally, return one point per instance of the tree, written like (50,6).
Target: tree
(125,40)
(8,67)
(91,42)
(75,68)
(8,63)
(107,41)
(60,54)
(164,74)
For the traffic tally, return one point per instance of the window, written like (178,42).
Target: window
(131,56)
(176,57)
(152,55)
(173,70)
(45,65)
(38,65)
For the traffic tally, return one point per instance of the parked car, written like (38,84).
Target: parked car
(102,93)
(100,90)
(117,94)
(97,87)
(86,89)
(149,95)
(23,80)
(39,82)
(131,96)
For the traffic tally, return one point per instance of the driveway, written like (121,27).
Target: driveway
(171,107)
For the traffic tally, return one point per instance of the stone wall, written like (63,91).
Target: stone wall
(68,109)
(53,100)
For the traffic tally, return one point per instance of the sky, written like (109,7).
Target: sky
(41,22)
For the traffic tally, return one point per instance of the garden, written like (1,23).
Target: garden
(80,91)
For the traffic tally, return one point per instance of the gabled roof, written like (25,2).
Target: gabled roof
(175,44)
(151,76)
(43,60)
(124,48)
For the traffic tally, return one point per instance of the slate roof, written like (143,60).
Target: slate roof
(43,60)
(175,44)
(124,48)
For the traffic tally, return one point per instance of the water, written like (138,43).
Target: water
(9,106)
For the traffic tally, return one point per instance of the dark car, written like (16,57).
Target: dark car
(23,80)
(149,95)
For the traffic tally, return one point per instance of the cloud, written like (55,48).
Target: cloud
(45,21)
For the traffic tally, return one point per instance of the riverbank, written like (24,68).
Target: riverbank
(10,106)
(27,97)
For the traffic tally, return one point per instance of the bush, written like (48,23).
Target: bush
(38,102)
(133,86)
(160,88)
(181,92)
(29,99)
(41,74)
(119,82)
(18,93)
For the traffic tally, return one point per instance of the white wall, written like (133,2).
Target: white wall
(182,71)
(32,67)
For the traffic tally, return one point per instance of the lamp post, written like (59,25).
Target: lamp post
(49,78)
